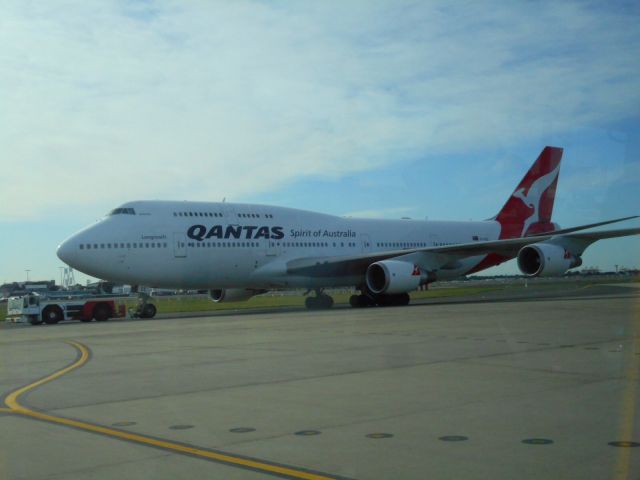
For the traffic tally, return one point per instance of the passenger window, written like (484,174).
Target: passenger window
(81,246)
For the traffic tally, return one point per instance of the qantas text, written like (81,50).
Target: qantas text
(200,232)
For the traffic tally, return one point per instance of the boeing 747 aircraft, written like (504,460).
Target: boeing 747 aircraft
(239,250)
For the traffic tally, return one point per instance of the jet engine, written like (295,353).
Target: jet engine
(233,294)
(546,260)
(392,276)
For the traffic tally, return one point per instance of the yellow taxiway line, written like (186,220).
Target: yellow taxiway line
(629,409)
(14,406)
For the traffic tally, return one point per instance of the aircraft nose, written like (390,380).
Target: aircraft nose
(64,251)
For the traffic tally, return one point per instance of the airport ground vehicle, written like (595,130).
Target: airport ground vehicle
(36,309)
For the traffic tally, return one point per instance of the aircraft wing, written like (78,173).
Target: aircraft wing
(438,257)
(584,227)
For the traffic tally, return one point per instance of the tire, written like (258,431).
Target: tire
(395,300)
(382,301)
(327,301)
(404,299)
(354,301)
(149,311)
(319,303)
(101,312)
(86,320)
(361,301)
(52,315)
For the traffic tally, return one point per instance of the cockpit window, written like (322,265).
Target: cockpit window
(122,211)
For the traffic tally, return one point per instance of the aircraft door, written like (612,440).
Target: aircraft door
(229,213)
(273,248)
(365,243)
(179,245)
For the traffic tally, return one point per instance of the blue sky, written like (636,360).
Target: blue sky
(386,109)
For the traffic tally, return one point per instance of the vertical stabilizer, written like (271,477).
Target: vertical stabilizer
(529,208)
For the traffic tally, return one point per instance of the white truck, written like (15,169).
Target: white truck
(36,309)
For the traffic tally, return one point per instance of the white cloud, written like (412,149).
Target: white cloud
(107,102)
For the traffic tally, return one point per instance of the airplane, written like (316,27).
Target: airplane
(236,251)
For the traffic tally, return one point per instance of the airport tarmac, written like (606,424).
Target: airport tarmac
(527,386)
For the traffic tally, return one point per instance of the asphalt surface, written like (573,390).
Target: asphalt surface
(534,384)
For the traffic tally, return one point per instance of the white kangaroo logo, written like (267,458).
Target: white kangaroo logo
(532,198)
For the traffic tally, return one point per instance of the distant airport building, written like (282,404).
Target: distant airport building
(590,271)
(21,288)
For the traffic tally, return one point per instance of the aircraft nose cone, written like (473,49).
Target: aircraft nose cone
(64,251)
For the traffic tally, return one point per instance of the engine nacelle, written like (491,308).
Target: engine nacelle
(546,260)
(233,294)
(393,276)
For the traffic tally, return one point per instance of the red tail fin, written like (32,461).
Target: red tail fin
(528,210)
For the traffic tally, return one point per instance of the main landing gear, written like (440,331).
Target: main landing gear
(369,300)
(320,301)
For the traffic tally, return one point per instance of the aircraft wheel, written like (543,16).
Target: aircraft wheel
(354,301)
(395,300)
(382,301)
(52,314)
(327,301)
(318,303)
(149,311)
(361,301)
(404,299)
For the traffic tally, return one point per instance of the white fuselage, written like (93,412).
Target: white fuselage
(204,245)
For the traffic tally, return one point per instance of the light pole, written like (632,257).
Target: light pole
(27,274)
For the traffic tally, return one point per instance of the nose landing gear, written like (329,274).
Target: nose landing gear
(144,309)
